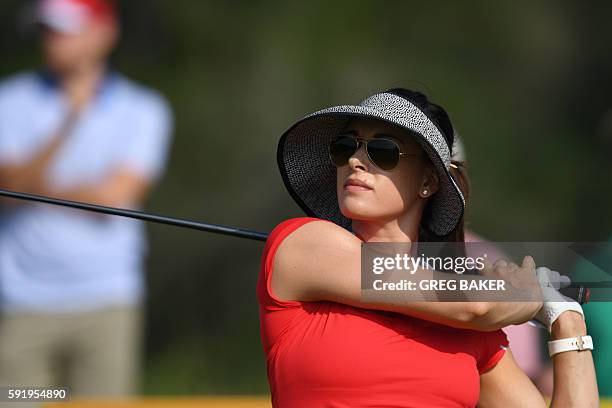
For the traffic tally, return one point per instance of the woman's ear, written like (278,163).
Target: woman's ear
(429,183)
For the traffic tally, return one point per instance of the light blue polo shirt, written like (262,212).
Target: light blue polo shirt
(55,259)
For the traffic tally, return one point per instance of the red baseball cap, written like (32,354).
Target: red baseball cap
(72,16)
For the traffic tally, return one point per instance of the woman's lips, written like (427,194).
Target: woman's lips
(356,185)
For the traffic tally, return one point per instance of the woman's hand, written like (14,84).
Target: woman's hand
(555,304)
(523,298)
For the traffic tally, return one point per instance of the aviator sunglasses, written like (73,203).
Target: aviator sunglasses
(383,151)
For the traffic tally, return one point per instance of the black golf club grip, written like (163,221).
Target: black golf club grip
(580,294)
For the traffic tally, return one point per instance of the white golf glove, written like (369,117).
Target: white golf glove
(554,302)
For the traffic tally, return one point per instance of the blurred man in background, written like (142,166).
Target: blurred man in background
(71,282)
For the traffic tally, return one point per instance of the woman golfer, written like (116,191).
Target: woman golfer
(381,172)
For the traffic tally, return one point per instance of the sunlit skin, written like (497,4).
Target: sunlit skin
(390,207)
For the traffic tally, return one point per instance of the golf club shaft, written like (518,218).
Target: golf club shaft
(139,215)
(580,294)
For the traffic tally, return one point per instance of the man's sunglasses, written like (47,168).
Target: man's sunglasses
(384,152)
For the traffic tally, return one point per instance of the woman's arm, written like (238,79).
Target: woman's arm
(574,380)
(575,384)
(507,386)
(321,261)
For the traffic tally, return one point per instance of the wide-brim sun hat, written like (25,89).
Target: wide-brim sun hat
(310,176)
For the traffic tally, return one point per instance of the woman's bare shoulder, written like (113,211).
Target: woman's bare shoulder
(319,234)
(317,261)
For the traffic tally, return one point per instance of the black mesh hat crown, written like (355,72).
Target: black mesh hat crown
(310,177)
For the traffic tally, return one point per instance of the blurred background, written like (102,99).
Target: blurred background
(526,85)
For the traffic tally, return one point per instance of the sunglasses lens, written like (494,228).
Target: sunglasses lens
(384,153)
(341,149)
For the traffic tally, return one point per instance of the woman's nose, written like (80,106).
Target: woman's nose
(359,159)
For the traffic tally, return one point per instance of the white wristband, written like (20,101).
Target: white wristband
(579,343)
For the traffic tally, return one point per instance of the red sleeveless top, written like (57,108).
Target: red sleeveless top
(326,354)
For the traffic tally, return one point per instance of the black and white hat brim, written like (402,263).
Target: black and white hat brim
(310,177)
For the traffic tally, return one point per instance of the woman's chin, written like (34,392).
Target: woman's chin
(366,210)
(356,210)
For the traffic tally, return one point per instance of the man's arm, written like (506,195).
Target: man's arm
(322,262)
(122,188)
(29,177)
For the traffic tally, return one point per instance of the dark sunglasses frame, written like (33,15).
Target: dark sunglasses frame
(359,141)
